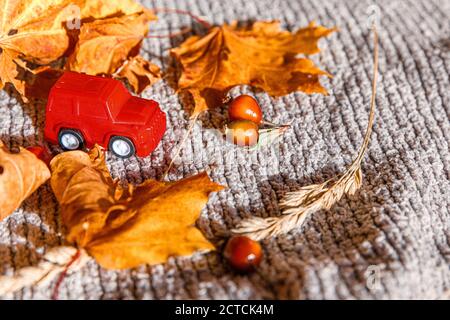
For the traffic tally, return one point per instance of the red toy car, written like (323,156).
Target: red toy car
(83,110)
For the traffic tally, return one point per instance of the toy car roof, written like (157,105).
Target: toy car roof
(85,85)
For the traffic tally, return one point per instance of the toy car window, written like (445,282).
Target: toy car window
(92,110)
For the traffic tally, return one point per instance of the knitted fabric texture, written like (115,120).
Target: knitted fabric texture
(390,240)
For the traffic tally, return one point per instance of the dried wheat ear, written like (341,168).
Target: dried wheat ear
(298,205)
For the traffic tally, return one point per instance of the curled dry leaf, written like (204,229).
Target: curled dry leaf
(298,205)
(31,30)
(110,46)
(105,44)
(123,227)
(140,73)
(20,175)
(261,55)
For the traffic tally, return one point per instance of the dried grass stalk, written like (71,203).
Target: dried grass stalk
(298,205)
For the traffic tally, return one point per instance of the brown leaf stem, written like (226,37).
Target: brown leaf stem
(63,274)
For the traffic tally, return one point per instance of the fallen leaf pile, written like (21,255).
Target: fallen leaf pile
(35,33)
(20,175)
(126,227)
(261,55)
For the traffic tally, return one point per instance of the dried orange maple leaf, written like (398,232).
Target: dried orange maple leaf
(104,45)
(140,73)
(261,55)
(123,227)
(31,30)
(20,175)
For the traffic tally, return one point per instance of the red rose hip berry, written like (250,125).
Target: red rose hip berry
(243,253)
(245,107)
(41,153)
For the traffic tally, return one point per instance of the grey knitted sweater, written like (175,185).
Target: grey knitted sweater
(390,240)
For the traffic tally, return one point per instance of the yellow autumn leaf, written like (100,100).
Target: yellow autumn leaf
(123,227)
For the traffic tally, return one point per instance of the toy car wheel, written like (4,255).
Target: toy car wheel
(70,140)
(122,147)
